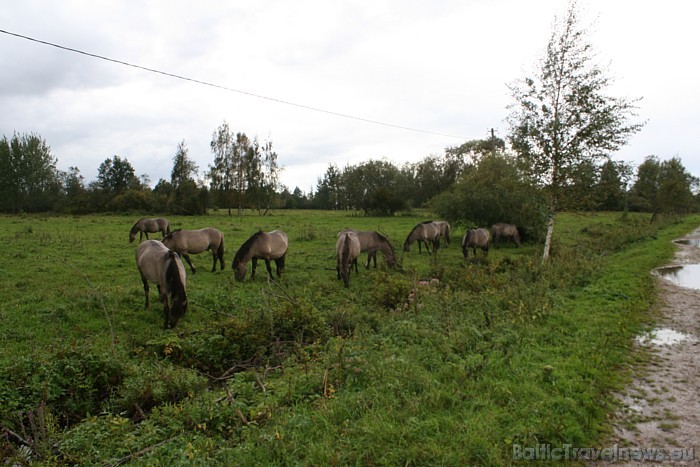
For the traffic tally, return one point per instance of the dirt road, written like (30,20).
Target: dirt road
(661,408)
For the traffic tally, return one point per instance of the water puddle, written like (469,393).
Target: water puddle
(689,241)
(683,276)
(664,336)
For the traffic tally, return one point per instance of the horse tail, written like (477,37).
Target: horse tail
(176,288)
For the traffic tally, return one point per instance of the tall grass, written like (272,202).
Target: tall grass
(439,362)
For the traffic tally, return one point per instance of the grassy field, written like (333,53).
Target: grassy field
(396,369)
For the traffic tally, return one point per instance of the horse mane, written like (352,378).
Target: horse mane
(247,245)
(135,228)
(425,222)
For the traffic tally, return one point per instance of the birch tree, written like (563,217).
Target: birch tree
(561,115)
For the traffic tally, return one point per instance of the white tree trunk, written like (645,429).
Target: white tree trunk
(548,239)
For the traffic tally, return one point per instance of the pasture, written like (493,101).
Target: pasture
(437,361)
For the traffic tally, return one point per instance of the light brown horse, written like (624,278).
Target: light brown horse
(444,231)
(261,245)
(145,226)
(186,242)
(508,231)
(427,232)
(474,238)
(371,242)
(347,249)
(158,264)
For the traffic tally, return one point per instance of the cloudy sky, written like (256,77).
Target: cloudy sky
(327,81)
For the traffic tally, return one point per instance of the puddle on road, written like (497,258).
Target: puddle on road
(683,276)
(664,336)
(689,241)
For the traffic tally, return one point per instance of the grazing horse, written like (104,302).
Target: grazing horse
(145,226)
(508,231)
(371,242)
(158,264)
(474,238)
(186,242)
(347,249)
(444,231)
(261,245)
(425,232)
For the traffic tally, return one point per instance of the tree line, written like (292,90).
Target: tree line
(479,180)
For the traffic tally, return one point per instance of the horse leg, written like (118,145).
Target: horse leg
(369,257)
(213,266)
(187,258)
(279,262)
(146,289)
(146,235)
(269,268)
(166,310)
(255,265)
(354,261)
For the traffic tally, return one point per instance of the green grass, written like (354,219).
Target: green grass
(505,351)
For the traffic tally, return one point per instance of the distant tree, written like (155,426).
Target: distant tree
(676,187)
(578,190)
(116,175)
(76,200)
(223,172)
(262,172)
(562,117)
(184,168)
(29,180)
(611,188)
(372,187)
(185,194)
(328,189)
(645,191)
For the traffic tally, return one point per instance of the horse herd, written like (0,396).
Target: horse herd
(159,262)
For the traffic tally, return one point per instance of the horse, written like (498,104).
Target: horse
(157,264)
(474,238)
(347,249)
(186,242)
(509,231)
(444,231)
(427,231)
(371,242)
(145,226)
(261,245)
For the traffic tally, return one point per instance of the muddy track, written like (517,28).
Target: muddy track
(661,408)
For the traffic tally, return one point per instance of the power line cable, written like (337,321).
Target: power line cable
(226,88)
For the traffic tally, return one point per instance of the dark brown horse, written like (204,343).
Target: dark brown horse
(186,242)
(507,231)
(427,232)
(371,242)
(145,226)
(474,238)
(261,245)
(347,250)
(158,264)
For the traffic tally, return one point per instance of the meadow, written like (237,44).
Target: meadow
(439,361)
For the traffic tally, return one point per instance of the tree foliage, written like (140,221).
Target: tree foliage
(29,180)
(562,117)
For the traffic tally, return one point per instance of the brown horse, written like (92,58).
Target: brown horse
(158,264)
(145,226)
(186,242)
(474,238)
(508,231)
(261,245)
(371,242)
(444,231)
(347,249)
(427,232)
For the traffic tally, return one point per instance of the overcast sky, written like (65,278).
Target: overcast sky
(441,67)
